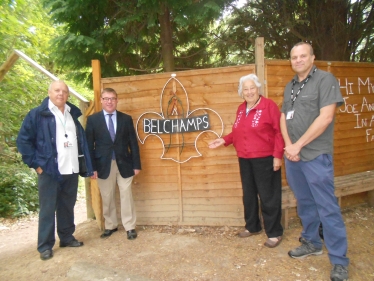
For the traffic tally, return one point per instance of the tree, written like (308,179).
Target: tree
(24,25)
(133,37)
(21,28)
(339,30)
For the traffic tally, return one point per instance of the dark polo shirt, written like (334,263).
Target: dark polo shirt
(322,89)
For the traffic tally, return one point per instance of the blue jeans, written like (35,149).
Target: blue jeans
(312,183)
(56,199)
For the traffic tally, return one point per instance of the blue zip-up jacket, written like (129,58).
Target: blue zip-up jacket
(36,140)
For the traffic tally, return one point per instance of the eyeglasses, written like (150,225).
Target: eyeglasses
(109,99)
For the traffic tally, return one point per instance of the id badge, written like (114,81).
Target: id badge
(67,144)
(290,114)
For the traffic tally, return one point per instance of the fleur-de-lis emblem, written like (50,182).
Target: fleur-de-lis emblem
(178,128)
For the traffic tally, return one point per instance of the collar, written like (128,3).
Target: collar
(51,105)
(261,104)
(296,78)
(106,113)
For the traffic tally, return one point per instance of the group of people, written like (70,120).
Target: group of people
(302,134)
(51,139)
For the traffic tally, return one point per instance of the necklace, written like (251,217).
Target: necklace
(248,109)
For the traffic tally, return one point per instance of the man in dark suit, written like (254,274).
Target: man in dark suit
(115,157)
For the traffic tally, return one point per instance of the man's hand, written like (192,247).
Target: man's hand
(136,171)
(292,150)
(94,176)
(39,170)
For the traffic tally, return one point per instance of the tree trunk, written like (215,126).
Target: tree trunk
(329,22)
(166,39)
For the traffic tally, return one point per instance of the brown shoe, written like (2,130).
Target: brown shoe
(272,244)
(246,233)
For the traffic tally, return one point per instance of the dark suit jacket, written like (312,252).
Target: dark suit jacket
(101,146)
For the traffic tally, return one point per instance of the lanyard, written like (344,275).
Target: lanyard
(62,123)
(293,98)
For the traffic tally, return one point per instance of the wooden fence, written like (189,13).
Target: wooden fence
(206,190)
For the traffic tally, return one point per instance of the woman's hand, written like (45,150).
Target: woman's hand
(277,164)
(216,143)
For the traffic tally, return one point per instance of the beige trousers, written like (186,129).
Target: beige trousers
(108,195)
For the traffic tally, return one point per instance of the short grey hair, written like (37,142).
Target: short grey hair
(243,79)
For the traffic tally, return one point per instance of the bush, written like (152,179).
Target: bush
(18,190)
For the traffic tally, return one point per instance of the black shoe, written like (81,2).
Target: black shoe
(108,232)
(131,234)
(72,243)
(46,255)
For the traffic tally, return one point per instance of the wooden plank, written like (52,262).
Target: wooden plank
(96,76)
(41,69)
(157,202)
(214,208)
(235,200)
(344,185)
(371,198)
(158,214)
(231,221)
(159,218)
(8,64)
(260,60)
(206,185)
(140,195)
(212,214)
(187,73)
(97,204)
(358,167)
(213,193)
(173,208)
(210,179)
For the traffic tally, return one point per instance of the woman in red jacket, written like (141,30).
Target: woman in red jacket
(259,145)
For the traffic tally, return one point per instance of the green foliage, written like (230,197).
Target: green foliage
(24,26)
(18,190)
(339,30)
(127,37)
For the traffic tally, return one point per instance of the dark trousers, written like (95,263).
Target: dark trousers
(260,180)
(56,199)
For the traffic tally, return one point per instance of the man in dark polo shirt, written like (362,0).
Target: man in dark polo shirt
(307,125)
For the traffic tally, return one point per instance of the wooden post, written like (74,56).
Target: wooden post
(96,77)
(90,212)
(95,196)
(4,68)
(371,198)
(260,63)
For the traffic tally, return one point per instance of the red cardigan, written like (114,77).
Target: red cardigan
(258,134)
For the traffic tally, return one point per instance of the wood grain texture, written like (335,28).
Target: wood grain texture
(206,190)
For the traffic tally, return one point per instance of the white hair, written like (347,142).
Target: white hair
(243,79)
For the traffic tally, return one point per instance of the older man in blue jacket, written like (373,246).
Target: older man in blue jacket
(50,141)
